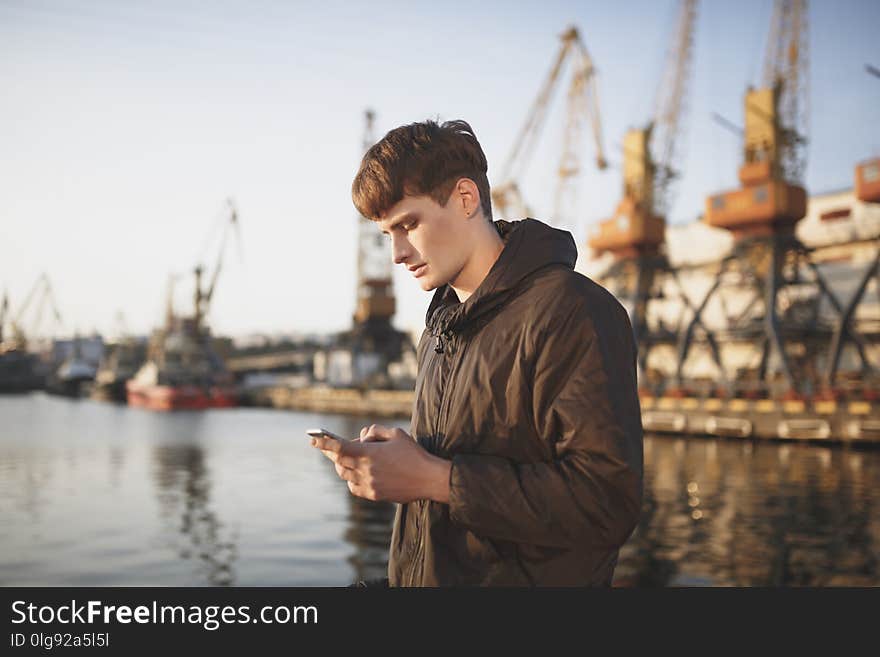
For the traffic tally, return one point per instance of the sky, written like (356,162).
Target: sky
(125,126)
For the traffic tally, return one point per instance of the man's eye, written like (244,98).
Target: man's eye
(408,227)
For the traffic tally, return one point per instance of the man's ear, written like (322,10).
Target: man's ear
(467,196)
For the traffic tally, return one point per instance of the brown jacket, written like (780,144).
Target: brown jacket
(529,388)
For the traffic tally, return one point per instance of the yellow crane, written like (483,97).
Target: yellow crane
(634,235)
(42,293)
(582,108)
(772,199)
(649,153)
(782,289)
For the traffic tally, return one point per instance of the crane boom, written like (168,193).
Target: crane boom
(42,292)
(231,225)
(203,298)
(582,103)
(525,141)
(772,198)
(785,71)
(41,281)
(638,226)
(670,105)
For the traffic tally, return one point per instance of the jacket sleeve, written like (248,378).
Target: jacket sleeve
(586,407)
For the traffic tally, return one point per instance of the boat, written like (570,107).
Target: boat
(75,375)
(119,365)
(22,370)
(183,369)
(19,371)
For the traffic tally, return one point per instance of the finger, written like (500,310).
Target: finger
(362,491)
(347,461)
(364,431)
(347,474)
(377,432)
(333,456)
(351,448)
(326,444)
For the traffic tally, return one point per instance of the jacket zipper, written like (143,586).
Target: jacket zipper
(441,425)
(438,349)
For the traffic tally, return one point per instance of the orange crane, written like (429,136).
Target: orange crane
(771,199)
(868,181)
(639,223)
(583,107)
(375,300)
(782,288)
(635,234)
(363,355)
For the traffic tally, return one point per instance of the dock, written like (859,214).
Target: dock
(345,401)
(850,422)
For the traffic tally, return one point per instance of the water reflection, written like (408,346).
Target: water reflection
(92,494)
(727,513)
(369,523)
(183,489)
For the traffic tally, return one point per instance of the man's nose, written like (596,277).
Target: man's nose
(400,250)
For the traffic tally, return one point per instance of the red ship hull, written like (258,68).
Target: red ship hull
(170,398)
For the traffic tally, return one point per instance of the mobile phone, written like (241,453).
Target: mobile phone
(318,433)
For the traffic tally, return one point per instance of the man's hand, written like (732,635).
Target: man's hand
(387,464)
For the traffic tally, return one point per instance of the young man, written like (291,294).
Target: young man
(524,466)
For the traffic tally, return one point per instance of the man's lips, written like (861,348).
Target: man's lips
(418,270)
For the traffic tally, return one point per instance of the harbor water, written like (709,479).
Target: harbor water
(97,494)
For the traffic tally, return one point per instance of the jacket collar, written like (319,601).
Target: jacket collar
(529,245)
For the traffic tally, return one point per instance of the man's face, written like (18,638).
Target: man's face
(431,240)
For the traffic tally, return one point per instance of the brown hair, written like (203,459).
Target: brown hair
(420,159)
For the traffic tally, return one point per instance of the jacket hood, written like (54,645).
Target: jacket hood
(529,245)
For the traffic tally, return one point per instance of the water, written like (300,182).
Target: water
(97,494)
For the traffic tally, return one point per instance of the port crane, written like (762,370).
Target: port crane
(41,293)
(375,302)
(228,225)
(582,109)
(650,154)
(203,298)
(779,319)
(372,342)
(635,234)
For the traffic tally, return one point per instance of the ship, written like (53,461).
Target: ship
(76,373)
(21,369)
(120,364)
(183,368)
(182,371)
